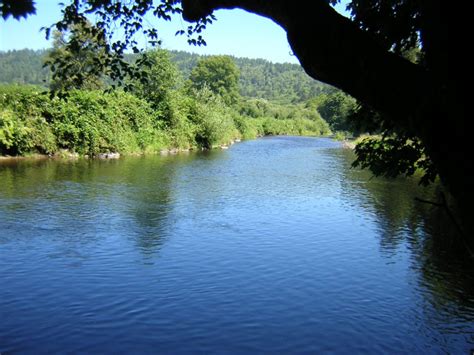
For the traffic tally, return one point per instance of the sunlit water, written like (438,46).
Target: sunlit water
(274,245)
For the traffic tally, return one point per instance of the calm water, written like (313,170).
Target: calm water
(274,245)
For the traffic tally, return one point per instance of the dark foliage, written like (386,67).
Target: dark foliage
(17,9)
(394,156)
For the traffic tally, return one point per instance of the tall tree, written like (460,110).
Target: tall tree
(74,57)
(162,76)
(220,74)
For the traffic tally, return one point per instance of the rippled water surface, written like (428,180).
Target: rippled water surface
(274,245)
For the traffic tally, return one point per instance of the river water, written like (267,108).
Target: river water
(272,246)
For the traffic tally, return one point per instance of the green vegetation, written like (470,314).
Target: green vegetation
(337,109)
(165,111)
(73,67)
(24,67)
(89,122)
(220,75)
(84,59)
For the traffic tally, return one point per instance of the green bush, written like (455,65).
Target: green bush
(21,135)
(25,100)
(91,122)
(280,119)
(249,128)
(88,122)
(23,126)
(212,118)
(13,134)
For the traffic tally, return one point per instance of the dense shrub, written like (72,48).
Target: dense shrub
(277,119)
(213,119)
(23,125)
(249,128)
(90,122)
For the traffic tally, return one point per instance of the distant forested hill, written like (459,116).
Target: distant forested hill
(23,67)
(259,78)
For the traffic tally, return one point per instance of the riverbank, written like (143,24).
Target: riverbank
(64,154)
(351,143)
(93,123)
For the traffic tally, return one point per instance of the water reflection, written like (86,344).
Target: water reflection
(271,246)
(89,197)
(443,265)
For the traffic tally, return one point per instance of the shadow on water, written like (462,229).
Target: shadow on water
(439,257)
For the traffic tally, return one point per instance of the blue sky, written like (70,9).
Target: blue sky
(258,37)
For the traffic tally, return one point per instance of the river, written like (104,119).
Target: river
(273,246)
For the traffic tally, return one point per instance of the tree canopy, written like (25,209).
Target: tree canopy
(74,66)
(164,76)
(219,74)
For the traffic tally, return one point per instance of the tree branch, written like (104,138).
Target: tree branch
(334,50)
(444,205)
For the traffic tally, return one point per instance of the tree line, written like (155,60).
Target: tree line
(179,101)
(259,78)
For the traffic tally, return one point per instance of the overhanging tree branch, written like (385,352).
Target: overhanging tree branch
(333,49)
